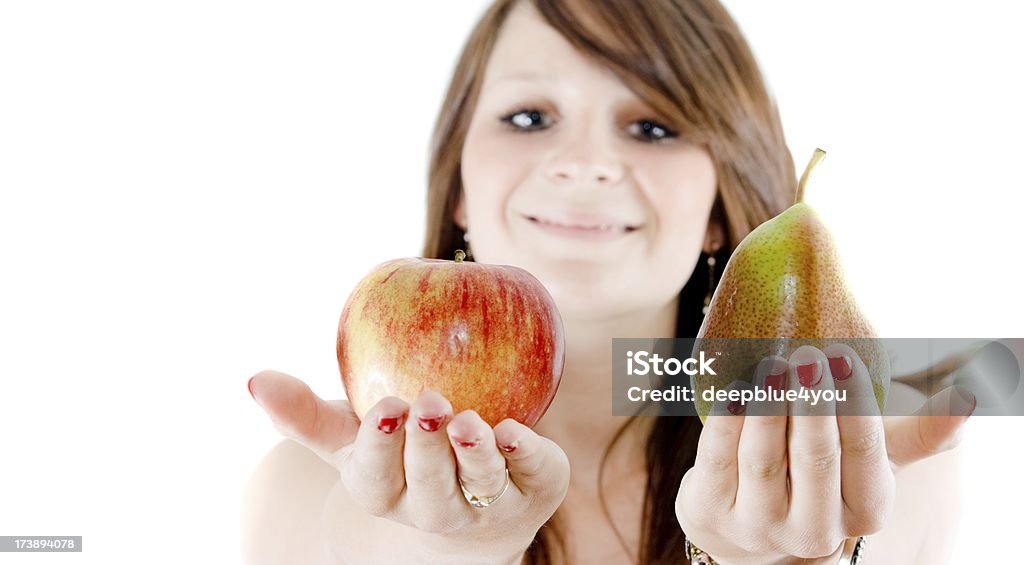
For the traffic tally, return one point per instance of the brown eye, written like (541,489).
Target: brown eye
(650,131)
(527,120)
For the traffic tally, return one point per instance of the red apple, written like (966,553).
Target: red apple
(487,337)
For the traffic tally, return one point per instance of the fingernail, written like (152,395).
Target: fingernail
(430,424)
(809,374)
(467,443)
(509,448)
(389,424)
(736,408)
(962,402)
(841,367)
(773,382)
(251,393)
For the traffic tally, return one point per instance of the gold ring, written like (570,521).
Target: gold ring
(484,501)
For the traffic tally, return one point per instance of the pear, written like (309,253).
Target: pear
(784,283)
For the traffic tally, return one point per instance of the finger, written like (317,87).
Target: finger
(809,375)
(868,484)
(762,489)
(716,467)
(480,466)
(429,459)
(771,377)
(935,428)
(851,380)
(814,456)
(372,469)
(538,467)
(321,426)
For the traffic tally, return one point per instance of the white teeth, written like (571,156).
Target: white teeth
(602,227)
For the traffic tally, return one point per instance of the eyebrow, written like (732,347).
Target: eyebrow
(524,76)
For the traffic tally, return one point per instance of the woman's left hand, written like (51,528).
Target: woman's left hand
(792,482)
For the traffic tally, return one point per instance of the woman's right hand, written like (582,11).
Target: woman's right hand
(403,463)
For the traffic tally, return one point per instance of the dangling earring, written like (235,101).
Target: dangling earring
(469,252)
(711,284)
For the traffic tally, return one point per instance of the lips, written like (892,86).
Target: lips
(595,224)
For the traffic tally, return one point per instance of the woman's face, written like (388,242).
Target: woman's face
(568,174)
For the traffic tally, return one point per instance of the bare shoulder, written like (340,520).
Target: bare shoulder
(282,507)
(926,513)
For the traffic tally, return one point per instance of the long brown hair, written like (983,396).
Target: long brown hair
(689,61)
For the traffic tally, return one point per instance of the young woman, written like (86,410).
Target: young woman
(611,148)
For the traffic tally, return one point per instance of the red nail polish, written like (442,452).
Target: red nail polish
(774,382)
(430,424)
(466,443)
(389,425)
(251,393)
(809,374)
(508,448)
(841,367)
(736,408)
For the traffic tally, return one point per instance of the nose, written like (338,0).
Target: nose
(585,160)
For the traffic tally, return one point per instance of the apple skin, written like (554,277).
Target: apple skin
(487,337)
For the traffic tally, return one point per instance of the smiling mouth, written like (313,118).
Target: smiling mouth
(595,228)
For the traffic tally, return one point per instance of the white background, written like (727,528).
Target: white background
(189,190)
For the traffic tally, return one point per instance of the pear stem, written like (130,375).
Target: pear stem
(819,154)
(459,255)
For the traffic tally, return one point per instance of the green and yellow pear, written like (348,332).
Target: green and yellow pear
(784,284)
